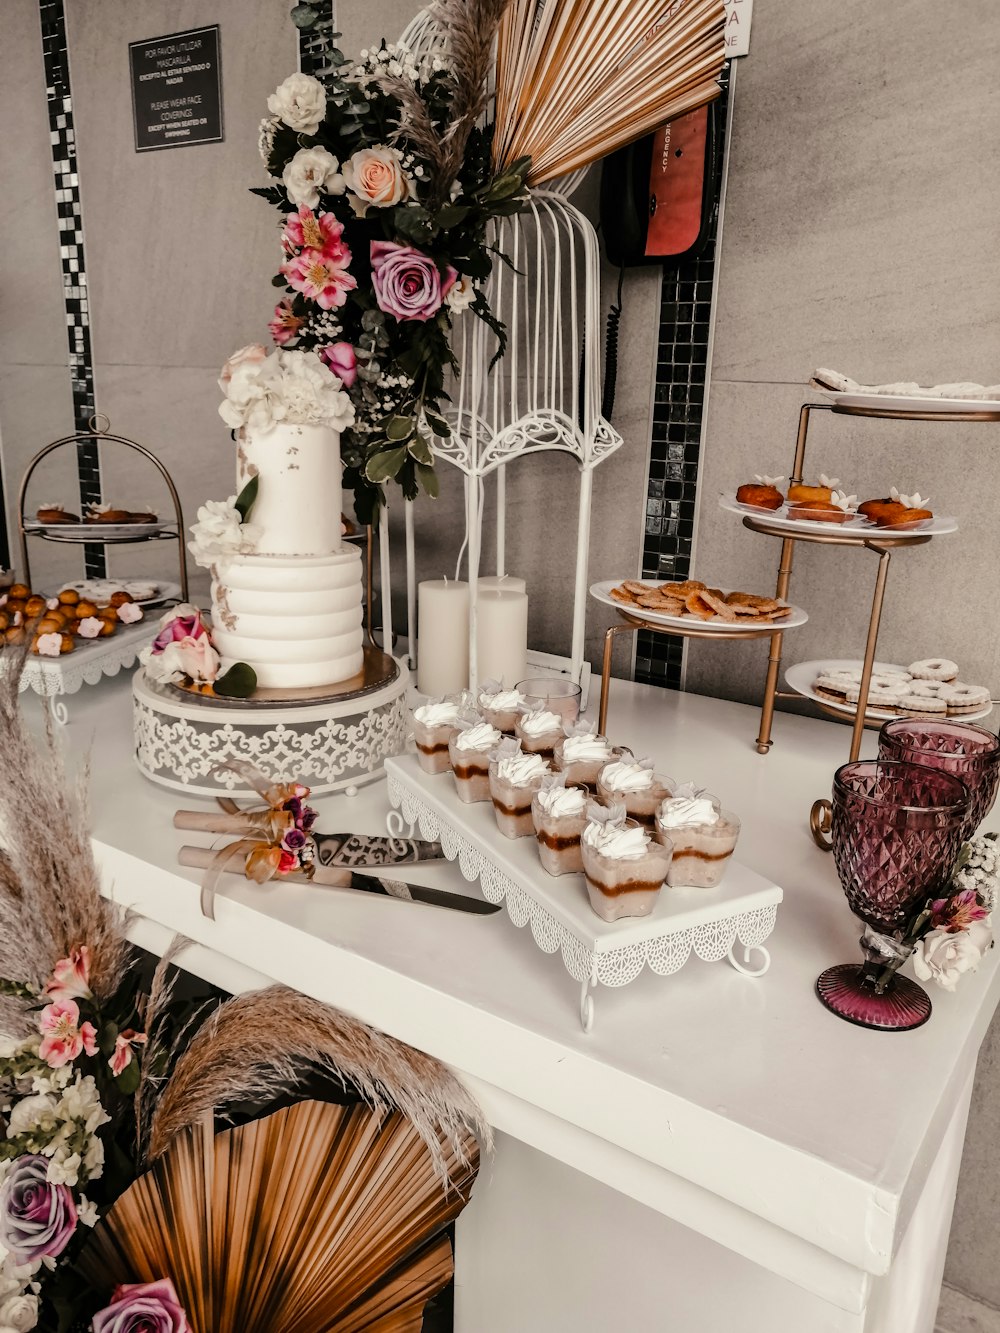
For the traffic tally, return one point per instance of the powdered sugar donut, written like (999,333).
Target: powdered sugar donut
(930,689)
(934,668)
(966,698)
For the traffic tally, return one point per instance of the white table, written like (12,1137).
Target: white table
(719,1153)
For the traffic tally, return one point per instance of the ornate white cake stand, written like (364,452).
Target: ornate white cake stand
(710,922)
(328,739)
(92,659)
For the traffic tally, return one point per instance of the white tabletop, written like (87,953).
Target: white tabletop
(695,1092)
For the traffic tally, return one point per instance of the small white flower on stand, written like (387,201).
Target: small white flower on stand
(299,103)
(945,956)
(220,532)
(914,501)
(462,294)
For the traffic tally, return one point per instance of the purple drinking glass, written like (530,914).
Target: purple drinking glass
(897,829)
(967,752)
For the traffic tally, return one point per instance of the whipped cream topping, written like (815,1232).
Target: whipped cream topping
(479,737)
(616,841)
(501,700)
(841,501)
(914,501)
(776,482)
(441,714)
(560,802)
(520,769)
(577,749)
(623,776)
(541,723)
(688,806)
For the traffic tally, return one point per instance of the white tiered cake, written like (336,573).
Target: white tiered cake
(292,609)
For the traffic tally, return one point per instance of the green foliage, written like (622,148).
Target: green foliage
(239,682)
(247,497)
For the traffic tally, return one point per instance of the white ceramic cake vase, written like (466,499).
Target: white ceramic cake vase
(299,501)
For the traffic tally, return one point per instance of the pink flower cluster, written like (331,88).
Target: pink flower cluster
(296,844)
(64,1037)
(318,259)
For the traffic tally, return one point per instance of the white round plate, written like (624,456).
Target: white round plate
(602,592)
(165,592)
(99,533)
(900,403)
(802,675)
(858,528)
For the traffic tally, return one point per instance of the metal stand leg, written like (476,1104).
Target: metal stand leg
(609,639)
(764,741)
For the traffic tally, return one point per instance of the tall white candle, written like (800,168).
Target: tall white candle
(502,635)
(501,583)
(443,636)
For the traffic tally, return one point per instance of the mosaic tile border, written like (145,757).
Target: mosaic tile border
(678,411)
(68,208)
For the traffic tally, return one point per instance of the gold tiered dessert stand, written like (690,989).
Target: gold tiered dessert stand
(880,542)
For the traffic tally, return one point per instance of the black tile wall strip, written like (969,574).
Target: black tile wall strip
(75,295)
(681,369)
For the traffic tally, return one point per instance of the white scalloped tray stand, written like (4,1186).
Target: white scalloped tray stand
(52,676)
(711,922)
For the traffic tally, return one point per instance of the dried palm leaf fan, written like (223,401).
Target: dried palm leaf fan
(316,1219)
(577,79)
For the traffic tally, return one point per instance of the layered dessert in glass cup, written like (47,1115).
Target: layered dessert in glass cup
(515,777)
(633,783)
(500,707)
(435,723)
(703,837)
(539,731)
(624,865)
(559,814)
(469,751)
(581,754)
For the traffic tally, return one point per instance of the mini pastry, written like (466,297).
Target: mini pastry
(624,866)
(965,698)
(47,645)
(18,590)
(581,754)
(514,779)
(879,696)
(141,516)
(4,620)
(833,685)
(49,625)
(934,668)
(16,605)
(120,598)
(539,731)
(108,627)
(469,750)
(839,508)
(634,783)
(84,608)
(55,513)
(15,634)
(702,834)
(882,512)
(500,707)
(106,513)
(34,606)
(67,644)
(435,723)
(559,814)
(761,493)
(799,491)
(907,511)
(69,597)
(923,705)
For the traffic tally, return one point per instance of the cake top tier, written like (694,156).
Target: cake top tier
(298,504)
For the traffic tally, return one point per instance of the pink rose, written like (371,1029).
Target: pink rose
(183,622)
(37,1219)
(342,361)
(407,282)
(143,1307)
(375,178)
(252,354)
(64,1037)
(71,977)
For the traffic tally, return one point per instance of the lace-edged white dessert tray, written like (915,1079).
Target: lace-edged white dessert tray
(713,923)
(90,660)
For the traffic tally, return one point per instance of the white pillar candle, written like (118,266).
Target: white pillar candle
(501,583)
(502,635)
(443,630)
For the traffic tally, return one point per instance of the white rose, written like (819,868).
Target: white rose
(64,1169)
(943,958)
(19,1314)
(251,355)
(300,102)
(461,296)
(310,171)
(375,178)
(220,532)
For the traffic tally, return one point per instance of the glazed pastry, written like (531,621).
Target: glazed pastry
(55,513)
(18,590)
(823,490)
(500,707)
(469,750)
(539,731)
(625,868)
(106,513)
(435,723)
(839,508)
(50,625)
(15,634)
(84,608)
(702,835)
(934,668)
(120,598)
(882,512)
(912,510)
(141,516)
(581,754)
(34,606)
(559,814)
(514,779)
(69,597)
(762,493)
(634,784)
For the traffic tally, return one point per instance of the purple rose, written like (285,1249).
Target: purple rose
(309,817)
(37,1219)
(143,1307)
(293,840)
(407,282)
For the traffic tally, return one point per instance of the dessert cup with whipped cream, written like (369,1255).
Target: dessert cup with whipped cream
(539,731)
(514,779)
(581,754)
(469,750)
(702,834)
(625,867)
(434,725)
(559,814)
(634,783)
(500,707)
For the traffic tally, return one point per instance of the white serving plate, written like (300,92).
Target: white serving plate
(602,592)
(802,675)
(900,403)
(99,532)
(859,528)
(165,592)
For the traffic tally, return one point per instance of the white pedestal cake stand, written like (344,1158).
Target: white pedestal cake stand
(52,677)
(327,739)
(711,922)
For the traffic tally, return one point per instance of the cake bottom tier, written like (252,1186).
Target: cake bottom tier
(297,620)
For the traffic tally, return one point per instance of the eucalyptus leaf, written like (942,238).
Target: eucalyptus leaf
(246,498)
(239,682)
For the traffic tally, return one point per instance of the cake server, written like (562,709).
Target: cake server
(356,851)
(342,878)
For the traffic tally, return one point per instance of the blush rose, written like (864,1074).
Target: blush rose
(408,284)
(375,179)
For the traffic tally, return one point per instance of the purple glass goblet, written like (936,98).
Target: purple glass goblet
(896,832)
(967,752)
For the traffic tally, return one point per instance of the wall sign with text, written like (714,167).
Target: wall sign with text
(738,15)
(177,89)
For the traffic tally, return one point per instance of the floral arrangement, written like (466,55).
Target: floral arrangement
(182,652)
(384,179)
(264,389)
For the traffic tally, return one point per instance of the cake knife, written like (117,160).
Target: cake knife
(343,878)
(354,851)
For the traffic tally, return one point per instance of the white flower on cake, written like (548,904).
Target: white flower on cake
(462,295)
(49,645)
(292,387)
(310,172)
(299,103)
(220,532)
(914,501)
(841,501)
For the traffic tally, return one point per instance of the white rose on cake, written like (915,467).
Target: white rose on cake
(299,103)
(296,387)
(311,171)
(221,532)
